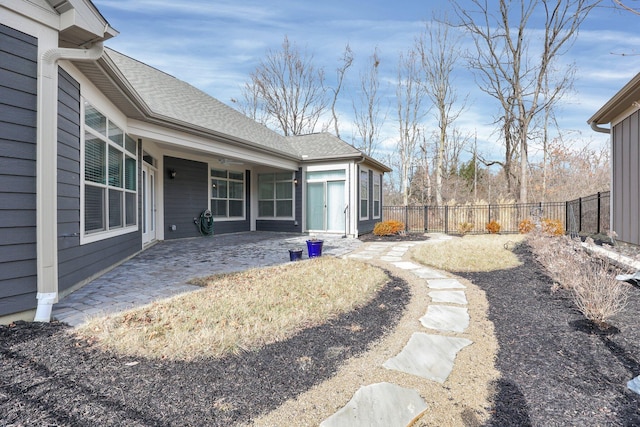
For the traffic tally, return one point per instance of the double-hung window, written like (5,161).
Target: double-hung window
(364,194)
(275,195)
(227,194)
(376,196)
(110,178)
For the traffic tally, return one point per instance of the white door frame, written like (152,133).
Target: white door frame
(149,202)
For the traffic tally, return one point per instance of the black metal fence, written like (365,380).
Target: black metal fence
(587,215)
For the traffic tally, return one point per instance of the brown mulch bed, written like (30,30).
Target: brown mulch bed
(558,369)
(50,378)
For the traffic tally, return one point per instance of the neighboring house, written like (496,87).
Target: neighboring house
(622,114)
(103,155)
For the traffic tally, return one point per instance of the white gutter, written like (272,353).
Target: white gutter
(595,127)
(47,170)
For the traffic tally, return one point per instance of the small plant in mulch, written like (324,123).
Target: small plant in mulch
(549,226)
(526,226)
(493,227)
(465,228)
(589,279)
(388,228)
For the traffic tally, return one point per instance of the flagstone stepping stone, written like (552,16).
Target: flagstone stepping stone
(396,253)
(391,258)
(634,385)
(445,284)
(428,273)
(446,318)
(361,256)
(452,297)
(428,356)
(405,265)
(381,404)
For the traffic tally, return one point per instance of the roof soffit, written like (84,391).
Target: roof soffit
(620,103)
(81,23)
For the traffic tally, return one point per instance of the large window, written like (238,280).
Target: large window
(364,194)
(275,195)
(110,177)
(376,196)
(227,194)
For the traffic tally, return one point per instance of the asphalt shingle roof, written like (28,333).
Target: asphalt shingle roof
(321,145)
(169,97)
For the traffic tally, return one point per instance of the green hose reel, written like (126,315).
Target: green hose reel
(205,223)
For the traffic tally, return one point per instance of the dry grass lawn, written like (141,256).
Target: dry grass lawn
(240,311)
(487,252)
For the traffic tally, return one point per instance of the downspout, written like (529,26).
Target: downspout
(46,173)
(596,128)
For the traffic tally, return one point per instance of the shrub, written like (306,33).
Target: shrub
(493,227)
(526,226)
(598,295)
(552,227)
(594,289)
(388,228)
(465,227)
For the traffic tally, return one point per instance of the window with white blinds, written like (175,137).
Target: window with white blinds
(275,195)
(110,177)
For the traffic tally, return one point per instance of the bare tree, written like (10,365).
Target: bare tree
(626,7)
(439,52)
(512,68)
(289,90)
(367,116)
(410,94)
(347,61)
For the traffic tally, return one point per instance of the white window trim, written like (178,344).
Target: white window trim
(360,199)
(244,194)
(107,234)
(376,179)
(293,200)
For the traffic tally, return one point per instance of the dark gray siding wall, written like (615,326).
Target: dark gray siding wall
(18,91)
(187,195)
(366,226)
(287,226)
(77,263)
(626,179)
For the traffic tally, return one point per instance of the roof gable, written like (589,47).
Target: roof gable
(167,98)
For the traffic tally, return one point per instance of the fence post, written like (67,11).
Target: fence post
(426,218)
(406,219)
(579,214)
(446,219)
(566,216)
(598,215)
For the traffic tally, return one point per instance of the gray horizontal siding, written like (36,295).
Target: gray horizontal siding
(76,263)
(279,226)
(185,197)
(18,88)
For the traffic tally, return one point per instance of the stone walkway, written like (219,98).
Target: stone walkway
(165,269)
(430,354)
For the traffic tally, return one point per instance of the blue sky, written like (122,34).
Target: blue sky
(215,44)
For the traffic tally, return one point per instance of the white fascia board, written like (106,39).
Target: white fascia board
(41,14)
(37,11)
(211,147)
